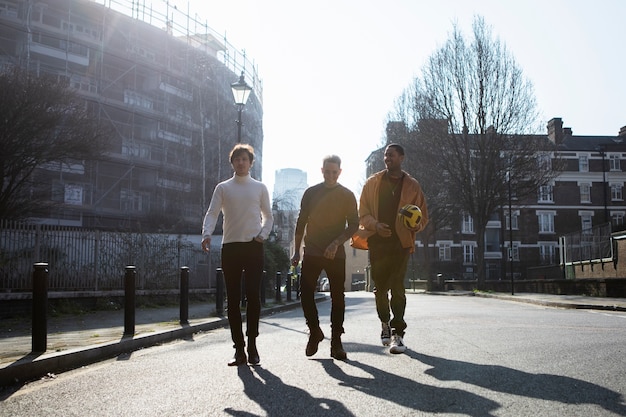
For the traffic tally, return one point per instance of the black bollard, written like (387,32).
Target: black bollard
(288,288)
(184,295)
(219,291)
(278,298)
(129,301)
(298,287)
(40,308)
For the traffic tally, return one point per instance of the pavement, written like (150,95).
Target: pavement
(78,340)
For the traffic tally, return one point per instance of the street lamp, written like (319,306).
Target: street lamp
(241,92)
(508,179)
(602,151)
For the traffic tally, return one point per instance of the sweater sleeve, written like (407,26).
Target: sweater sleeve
(212,214)
(267,218)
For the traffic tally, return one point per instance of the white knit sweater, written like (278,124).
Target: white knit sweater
(245,203)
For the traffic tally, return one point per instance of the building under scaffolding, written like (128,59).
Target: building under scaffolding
(161,79)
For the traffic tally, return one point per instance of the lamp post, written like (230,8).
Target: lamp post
(604,185)
(508,178)
(241,92)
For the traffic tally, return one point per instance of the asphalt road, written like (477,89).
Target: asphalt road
(468,356)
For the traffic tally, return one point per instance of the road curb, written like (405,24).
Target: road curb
(34,366)
(553,303)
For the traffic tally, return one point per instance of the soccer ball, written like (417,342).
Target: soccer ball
(411,215)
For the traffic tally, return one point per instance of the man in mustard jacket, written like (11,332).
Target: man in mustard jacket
(389,241)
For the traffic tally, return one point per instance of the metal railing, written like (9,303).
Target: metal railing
(91,260)
(587,245)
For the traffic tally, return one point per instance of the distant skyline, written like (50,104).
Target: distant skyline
(332,68)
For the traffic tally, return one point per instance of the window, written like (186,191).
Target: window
(131,201)
(585,220)
(585,193)
(583,163)
(616,192)
(468,224)
(614,160)
(546,222)
(546,194)
(547,253)
(468,253)
(514,218)
(135,99)
(445,251)
(544,161)
(617,218)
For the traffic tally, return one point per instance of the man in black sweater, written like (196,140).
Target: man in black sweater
(329,214)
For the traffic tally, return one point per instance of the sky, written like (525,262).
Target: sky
(331,69)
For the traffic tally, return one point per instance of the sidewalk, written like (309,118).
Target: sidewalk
(75,341)
(563,301)
(78,340)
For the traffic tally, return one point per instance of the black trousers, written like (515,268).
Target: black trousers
(243,258)
(335,269)
(388,269)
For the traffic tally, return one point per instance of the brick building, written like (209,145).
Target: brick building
(587,193)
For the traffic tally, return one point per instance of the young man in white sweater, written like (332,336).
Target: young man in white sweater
(248,220)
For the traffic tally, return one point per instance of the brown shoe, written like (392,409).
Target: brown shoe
(239,358)
(315,337)
(336,350)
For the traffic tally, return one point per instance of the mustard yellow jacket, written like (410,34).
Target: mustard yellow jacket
(368,208)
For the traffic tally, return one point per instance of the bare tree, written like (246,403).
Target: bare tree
(41,122)
(472,114)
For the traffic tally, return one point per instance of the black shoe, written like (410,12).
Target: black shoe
(238,359)
(336,350)
(315,337)
(253,356)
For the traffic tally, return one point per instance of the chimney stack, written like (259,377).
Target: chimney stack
(555,130)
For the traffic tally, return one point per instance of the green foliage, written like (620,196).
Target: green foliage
(276,259)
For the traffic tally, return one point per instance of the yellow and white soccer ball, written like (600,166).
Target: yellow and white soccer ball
(411,215)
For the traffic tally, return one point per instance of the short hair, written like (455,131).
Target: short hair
(242,148)
(397,147)
(333,159)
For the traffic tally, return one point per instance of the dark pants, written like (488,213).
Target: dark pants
(312,266)
(388,269)
(246,258)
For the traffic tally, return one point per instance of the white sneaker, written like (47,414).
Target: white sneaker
(397,344)
(385,334)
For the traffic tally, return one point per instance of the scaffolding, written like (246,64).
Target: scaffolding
(168,16)
(161,81)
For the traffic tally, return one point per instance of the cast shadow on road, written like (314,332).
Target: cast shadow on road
(408,393)
(512,381)
(279,399)
(7,391)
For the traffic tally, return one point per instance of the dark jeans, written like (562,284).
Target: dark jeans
(312,266)
(388,269)
(246,258)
